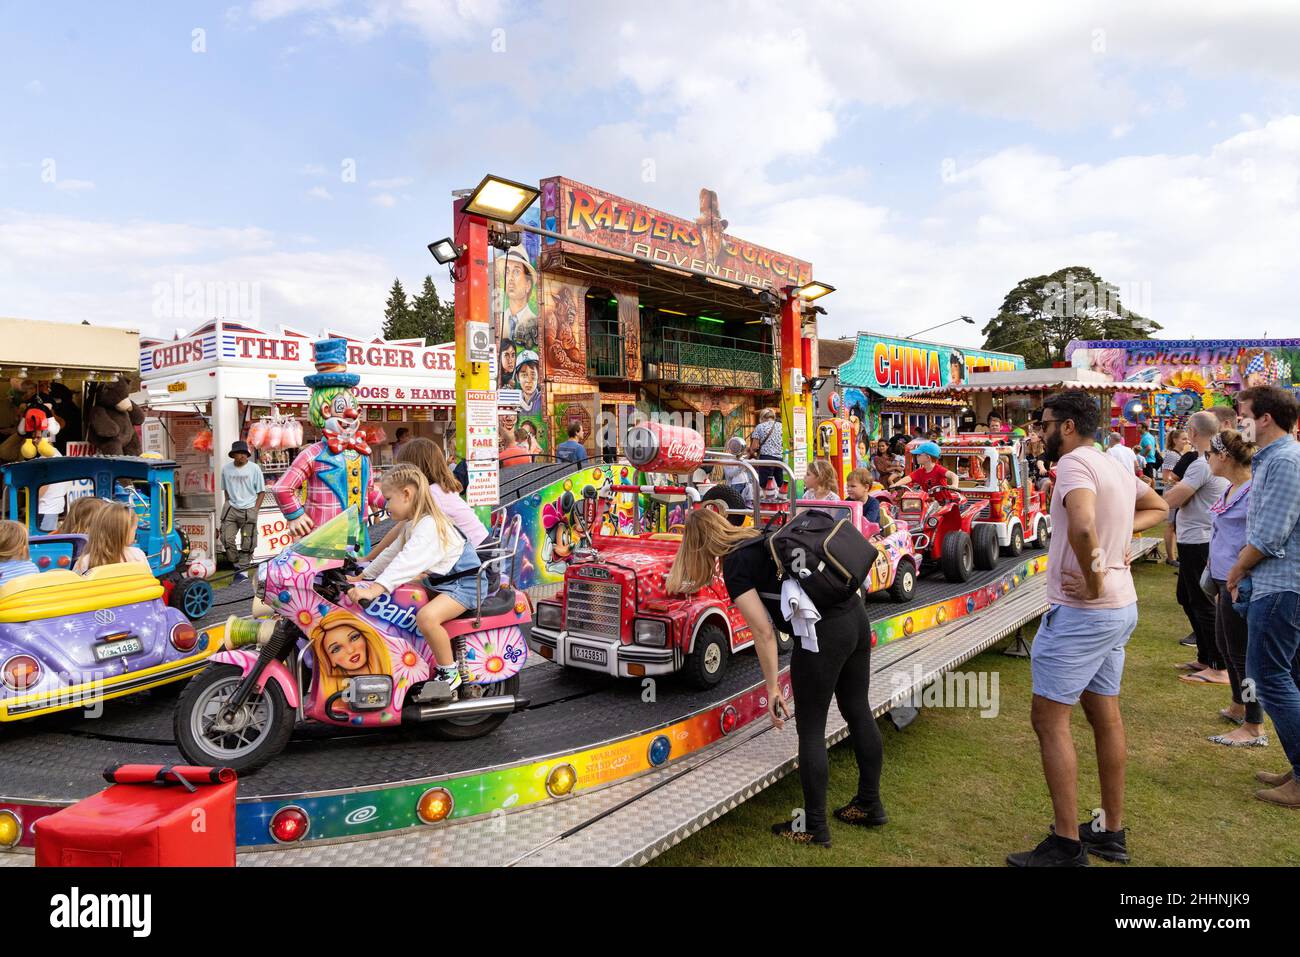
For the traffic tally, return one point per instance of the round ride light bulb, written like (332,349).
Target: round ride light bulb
(435,804)
(289,824)
(659,750)
(11,828)
(184,637)
(20,672)
(43,561)
(561,780)
(729,719)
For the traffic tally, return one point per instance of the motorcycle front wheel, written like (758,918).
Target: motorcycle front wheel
(258,732)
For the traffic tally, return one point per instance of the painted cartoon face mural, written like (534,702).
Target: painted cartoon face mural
(562,518)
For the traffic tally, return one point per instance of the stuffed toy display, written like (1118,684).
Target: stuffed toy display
(38,430)
(111,422)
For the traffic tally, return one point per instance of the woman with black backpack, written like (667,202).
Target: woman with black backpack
(838,665)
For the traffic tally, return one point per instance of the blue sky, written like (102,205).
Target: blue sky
(924,159)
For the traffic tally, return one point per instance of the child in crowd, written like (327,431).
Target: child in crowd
(819,484)
(428,544)
(858,489)
(14,560)
(110,532)
(428,457)
(81,512)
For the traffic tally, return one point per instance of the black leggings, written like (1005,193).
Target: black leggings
(1192,560)
(1230,630)
(841,667)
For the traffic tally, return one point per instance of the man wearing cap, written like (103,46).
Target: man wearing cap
(929,474)
(243,486)
(519,322)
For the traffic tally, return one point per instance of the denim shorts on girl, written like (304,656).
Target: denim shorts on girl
(1080,649)
(467,589)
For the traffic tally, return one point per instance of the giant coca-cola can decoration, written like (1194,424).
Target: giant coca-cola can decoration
(652,447)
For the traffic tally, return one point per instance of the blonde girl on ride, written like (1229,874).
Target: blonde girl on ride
(429,544)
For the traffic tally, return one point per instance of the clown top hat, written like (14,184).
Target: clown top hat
(331,358)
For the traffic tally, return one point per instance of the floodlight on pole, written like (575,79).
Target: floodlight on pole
(502,200)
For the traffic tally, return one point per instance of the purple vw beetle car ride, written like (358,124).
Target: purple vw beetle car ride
(73,641)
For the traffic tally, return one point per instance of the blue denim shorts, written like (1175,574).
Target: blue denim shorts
(465,591)
(1080,649)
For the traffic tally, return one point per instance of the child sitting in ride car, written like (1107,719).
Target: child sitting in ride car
(819,482)
(80,514)
(14,560)
(858,489)
(428,544)
(109,534)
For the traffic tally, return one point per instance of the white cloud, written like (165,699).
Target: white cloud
(67,269)
(319,192)
(386,200)
(34,87)
(312,169)
(397,182)
(1203,243)
(73,185)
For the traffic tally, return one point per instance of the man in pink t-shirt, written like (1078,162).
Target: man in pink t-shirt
(1078,653)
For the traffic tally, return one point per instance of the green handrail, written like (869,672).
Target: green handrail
(605,355)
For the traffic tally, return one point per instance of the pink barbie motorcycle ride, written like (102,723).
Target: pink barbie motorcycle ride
(327,659)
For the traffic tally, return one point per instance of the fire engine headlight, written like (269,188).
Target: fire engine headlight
(548,615)
(648,631)
(932,522)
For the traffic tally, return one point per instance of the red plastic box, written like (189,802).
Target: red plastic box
(152,816)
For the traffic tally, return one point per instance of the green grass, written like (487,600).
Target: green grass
(965,790)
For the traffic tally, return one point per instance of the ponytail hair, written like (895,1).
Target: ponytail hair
(1229,442)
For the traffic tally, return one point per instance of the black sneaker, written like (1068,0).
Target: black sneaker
(1054,851)
(786,830)
(1108,845)
(862,815)
(1189,641)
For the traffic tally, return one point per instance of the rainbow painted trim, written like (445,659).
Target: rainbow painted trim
(435,801)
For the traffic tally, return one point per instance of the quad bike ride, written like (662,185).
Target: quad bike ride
(944,529)
(327,659)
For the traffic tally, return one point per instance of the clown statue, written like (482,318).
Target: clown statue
(336,470)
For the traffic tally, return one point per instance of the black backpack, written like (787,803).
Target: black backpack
(828,557)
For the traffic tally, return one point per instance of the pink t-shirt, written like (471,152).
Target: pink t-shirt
(460,513)
(1117,490)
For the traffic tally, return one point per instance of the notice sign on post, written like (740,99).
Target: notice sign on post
(481,428)
(484,485)
(481,451)
(799,443)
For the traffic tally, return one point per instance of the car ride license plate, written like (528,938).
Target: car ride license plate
(595,656)
(117,648)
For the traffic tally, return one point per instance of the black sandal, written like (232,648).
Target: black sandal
(860,815)
(786,830)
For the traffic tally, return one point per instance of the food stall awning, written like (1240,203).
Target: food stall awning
(44,347)
(925,401)
(1036,380)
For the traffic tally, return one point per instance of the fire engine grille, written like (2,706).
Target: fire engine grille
(593,608)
